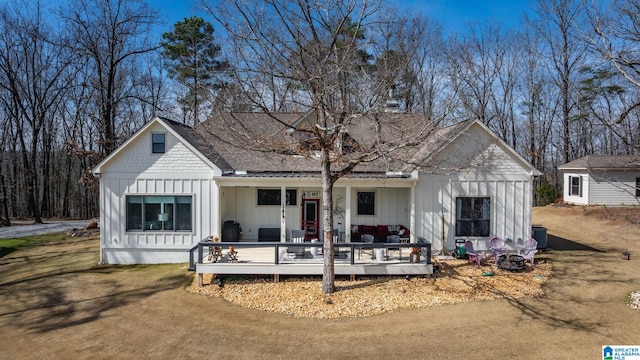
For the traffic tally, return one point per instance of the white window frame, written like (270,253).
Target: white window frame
(476,224)
(358,202)
(578,191)
(171,224)
(164,143)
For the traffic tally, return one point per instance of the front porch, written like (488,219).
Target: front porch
(258,258)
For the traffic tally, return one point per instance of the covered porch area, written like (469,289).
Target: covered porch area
(268,209)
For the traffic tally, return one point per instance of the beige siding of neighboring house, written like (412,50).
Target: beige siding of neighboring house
(138,172)
(613,188)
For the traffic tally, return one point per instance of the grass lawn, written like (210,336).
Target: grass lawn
(58,303)
(7,246)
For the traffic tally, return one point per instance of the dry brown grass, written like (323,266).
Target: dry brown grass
(615,215)
(58,303)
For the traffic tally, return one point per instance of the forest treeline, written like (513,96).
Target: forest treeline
(80,77)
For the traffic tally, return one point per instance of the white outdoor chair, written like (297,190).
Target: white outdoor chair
(297,236)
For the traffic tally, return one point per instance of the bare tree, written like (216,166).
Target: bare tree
(475,63)
(558,25)
(34,72)
(615,36)
(327,52)
(110,35)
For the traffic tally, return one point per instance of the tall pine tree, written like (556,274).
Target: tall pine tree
(192,59)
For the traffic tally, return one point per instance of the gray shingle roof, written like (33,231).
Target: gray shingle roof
(217,144)
(604,163)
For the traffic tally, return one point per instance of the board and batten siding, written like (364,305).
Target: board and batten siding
(511,201)
(137,171)
(392,207)
(474,165)
(241,204)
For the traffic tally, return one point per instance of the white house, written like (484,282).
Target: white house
(167,188)
(602,180)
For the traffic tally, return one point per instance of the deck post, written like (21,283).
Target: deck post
(200,279)
(283,216)
(276,278)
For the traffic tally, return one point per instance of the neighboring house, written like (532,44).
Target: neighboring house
(166,188)
(602,180)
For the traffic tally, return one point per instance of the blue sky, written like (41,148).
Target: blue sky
(453,15)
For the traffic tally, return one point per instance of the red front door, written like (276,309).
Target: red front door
(311,218)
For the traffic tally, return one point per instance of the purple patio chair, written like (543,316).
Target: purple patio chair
(530,249)
(496,245)
(473,256)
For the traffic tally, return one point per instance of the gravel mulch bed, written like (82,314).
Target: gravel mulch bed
(634,300)
(456,282)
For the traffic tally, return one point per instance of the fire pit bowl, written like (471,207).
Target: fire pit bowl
(511,263)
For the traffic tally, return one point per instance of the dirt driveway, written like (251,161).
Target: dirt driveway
(57,303)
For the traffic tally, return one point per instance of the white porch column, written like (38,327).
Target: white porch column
(214,229)
(283,214)
(347,215)
(412,214)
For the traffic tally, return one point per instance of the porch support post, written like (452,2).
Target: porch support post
(215,211)
(412,214)
(347,215)
(283,214)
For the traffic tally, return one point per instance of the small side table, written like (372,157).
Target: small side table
(232,255)
(215,253)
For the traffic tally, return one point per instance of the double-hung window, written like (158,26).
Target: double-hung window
(159,213)
(473,216)
(157,143)
(575,186)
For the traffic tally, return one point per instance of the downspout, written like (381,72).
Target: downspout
(101,256)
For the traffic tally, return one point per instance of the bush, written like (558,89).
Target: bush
(546,193)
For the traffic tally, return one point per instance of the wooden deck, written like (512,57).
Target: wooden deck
(272,259)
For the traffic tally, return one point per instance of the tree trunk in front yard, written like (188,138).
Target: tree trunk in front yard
(328,271)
